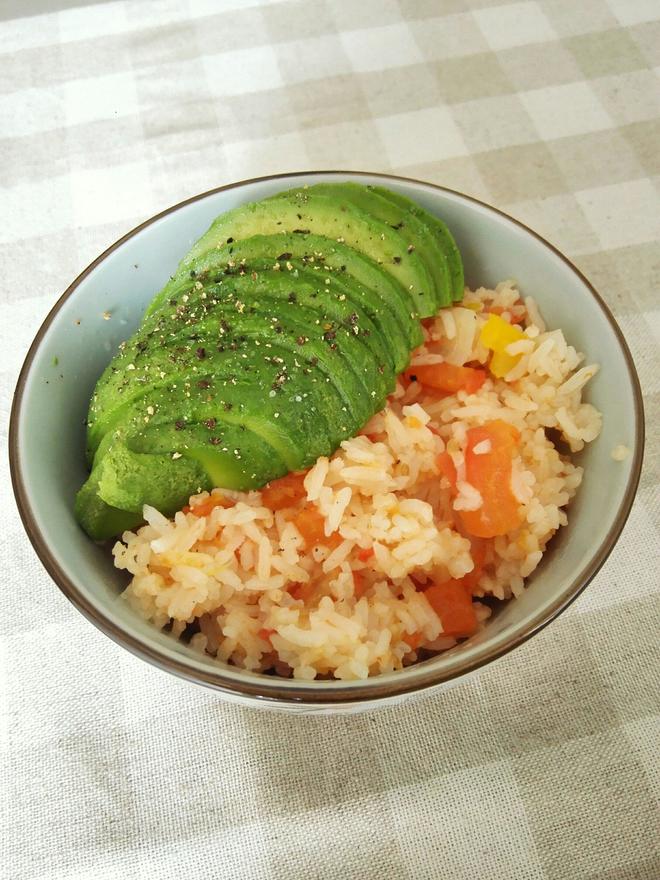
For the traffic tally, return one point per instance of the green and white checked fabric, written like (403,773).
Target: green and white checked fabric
(544,767)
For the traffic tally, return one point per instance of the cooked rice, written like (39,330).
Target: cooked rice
(242,585)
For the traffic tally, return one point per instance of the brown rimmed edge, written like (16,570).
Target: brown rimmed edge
(265,689)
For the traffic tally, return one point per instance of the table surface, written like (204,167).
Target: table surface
(543,766)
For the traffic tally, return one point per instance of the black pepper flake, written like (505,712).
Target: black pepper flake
(279,328)
(412,378)
(203,383)
(313,361)
(229,240)
(227,406)
(410,248)
(396,260)
(285,256)
(381,369)
(179,425)
(221,348)
(300,231)
(215,441)
(329,335)
(173,302)
(141,345)
(210,424)
(292,298)
(193,274)
(200,353)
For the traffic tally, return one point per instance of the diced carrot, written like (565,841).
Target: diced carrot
(265,634)
(447,467)
(365,554)
(205,507)
(284,492)
(478,554)
(412,639)
(454,607)
(490,474)
(311,526)
(360,585)
(448,377)
(186,509)
(302,592)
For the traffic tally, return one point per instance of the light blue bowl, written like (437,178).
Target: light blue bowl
(76,342)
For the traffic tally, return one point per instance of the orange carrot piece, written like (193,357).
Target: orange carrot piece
(265,634)
(454,607)
(302,592)
(365,554)
(359,584)
(448,377)
(490,474)
(205,507)
(412,639)
(310,524)
(284,492)
(447,467)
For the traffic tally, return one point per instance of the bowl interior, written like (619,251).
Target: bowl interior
(105,306)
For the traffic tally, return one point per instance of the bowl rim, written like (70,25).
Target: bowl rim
(265,688)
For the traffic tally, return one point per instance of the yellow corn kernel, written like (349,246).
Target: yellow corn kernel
(497,333)
(501,363)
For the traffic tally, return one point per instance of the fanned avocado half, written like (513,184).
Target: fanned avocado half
(280,335)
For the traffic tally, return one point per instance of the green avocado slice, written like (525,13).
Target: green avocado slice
(386,310)
(122,481)
(314,251)
(415,234)
(168,344)
(442,233)
(299,212)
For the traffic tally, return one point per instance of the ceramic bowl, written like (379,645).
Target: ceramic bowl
(75,343)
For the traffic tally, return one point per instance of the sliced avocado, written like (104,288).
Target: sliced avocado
(386,309)
(343,315)
(415,234)
(314,250)
(98,519)
(298,212)
(321,315)
(267,388)
(231,455)
(123,481)
(442,233)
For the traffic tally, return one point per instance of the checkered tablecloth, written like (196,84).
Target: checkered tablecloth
(543,766)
